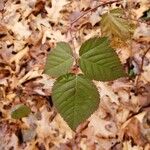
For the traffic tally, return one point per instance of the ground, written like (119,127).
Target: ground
(29,29)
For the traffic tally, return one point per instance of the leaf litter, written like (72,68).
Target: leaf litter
(29,29)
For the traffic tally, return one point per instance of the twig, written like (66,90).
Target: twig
(143,57)
(141,67)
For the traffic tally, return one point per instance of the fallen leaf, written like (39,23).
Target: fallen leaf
(54,11)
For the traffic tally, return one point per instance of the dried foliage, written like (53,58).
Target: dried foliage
(29,29)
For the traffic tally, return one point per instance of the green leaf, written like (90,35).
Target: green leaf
(59,60)
(113,25)
(99,61)
(20,111)
(75,98)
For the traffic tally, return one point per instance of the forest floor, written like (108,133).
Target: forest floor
(28,31)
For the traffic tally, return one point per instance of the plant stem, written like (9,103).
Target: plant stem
(141,67)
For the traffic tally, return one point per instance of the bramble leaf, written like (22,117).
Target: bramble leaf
(20,111)
(99,61)
(75,98)
(59,60)
(113,25)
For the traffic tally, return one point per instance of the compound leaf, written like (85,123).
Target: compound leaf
(59,60)
(75,97)
(99,61)
(113,25)
(20,111)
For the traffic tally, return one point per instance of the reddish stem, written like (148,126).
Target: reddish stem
(141,67)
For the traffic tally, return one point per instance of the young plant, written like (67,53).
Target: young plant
(75,96)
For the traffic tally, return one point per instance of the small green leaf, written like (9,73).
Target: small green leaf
(75,98)
(20,111)
(131,73)
(59,60)
(99,61)
(113,25)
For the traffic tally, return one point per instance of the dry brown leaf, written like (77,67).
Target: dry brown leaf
(54,12)
(28,30)
(133,128)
